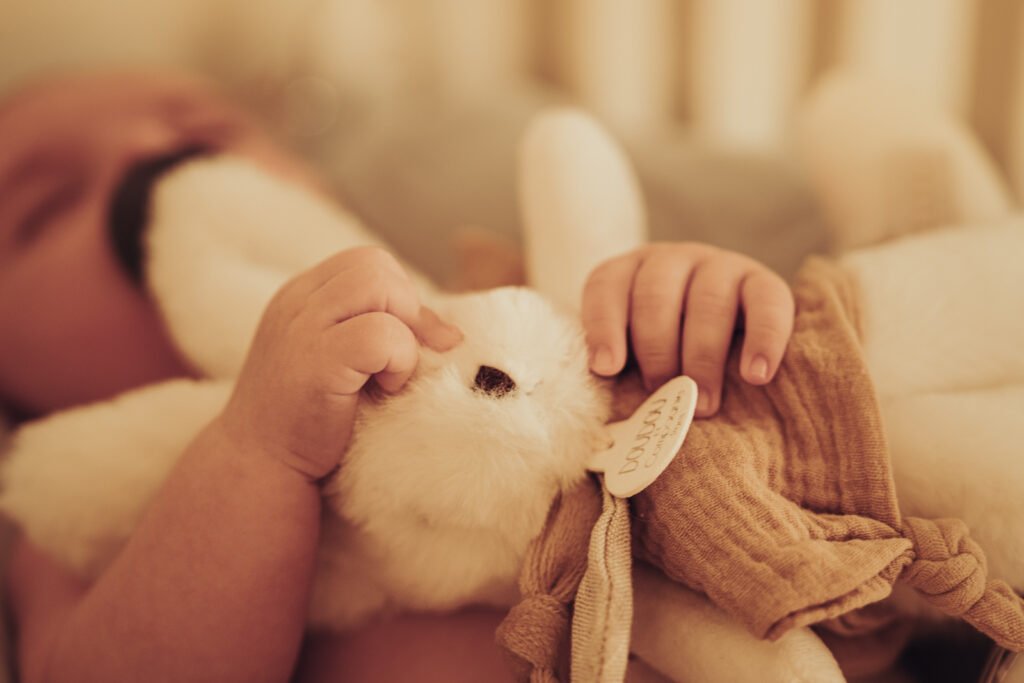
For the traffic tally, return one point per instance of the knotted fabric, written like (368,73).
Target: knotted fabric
(949,570)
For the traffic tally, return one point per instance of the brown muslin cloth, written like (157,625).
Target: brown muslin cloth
(782,508)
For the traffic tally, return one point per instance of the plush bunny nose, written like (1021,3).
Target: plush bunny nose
(493,382)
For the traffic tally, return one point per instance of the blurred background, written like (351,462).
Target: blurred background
(728,70)
(412,107)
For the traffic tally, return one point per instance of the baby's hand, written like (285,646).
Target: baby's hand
(322,337)
(679,304)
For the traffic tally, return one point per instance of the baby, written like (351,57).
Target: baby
(213,586)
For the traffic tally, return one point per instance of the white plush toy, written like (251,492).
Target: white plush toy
(444,485)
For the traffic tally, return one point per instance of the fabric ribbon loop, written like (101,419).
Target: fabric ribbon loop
(534,631)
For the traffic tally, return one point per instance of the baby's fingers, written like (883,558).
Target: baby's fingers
(363,286)
(656,314)
(710,318)
(768,309)
(375,345)
(606,303)
(376,283)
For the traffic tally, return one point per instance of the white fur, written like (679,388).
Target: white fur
(446,485)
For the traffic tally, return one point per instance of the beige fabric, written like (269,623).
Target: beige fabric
(603,611)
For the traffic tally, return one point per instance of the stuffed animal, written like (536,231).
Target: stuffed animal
(455,476)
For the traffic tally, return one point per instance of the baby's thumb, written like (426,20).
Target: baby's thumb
(435,333)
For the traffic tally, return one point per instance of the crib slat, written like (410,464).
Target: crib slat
(616,56)
(359,44)
(925,44)
(750,63)
(479,46)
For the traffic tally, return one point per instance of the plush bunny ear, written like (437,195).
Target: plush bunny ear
(581,202)
(224,236)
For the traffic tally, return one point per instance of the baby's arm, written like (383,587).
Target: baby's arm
(214,583)
(679,303)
